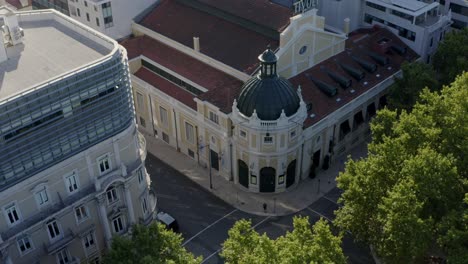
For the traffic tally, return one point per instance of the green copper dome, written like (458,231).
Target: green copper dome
(267,93)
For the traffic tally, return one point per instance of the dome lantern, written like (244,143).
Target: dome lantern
(267,94)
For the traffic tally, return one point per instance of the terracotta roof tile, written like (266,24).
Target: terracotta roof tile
(167,87)
(359,44)
(224,41)
(262,12)
(222,87)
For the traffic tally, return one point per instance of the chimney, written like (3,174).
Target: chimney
(14,31)
(196,44)
(346,25)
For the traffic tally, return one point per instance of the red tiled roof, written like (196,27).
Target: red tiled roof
(262,12)
(359,43)
(222,87)
(224,41)
(167,87)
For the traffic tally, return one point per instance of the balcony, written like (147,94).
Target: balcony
(55,246)
(142,144)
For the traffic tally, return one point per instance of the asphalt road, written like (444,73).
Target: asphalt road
(204,219)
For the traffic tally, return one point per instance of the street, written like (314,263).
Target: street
(204,219)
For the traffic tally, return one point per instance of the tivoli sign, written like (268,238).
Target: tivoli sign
(301,6)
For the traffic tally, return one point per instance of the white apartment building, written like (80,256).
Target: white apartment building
(459,9)
(419,24)
(113,18)
(72,171)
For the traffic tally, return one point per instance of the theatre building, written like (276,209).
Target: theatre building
(263,97)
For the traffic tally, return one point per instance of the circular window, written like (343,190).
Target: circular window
(303,50)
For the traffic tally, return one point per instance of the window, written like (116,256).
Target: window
(142,122)
(292,134)
(376,6)
(81,213)
(371,111)
(87,17)
(432,42)
(104,164)
(165,137)
(12,214)
(53,230)
(253,179)
(189,133)
(344,129)
(281,179)
(63,257)
(268,139)
(111,195)
(144,205)
(117,224)
(71,182)
(85,3)
(141,175)
(163,115)
(95,8)
(191,153)
(88,241)
(25,245)
(358,120)
(242,134)
(41,196)
(140,103)
(107,14)
(78,12)
(214,117)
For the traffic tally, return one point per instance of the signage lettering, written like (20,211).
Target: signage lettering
(301,6)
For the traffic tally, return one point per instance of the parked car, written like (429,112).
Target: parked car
(168,221)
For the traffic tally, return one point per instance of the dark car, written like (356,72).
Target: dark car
(168,221)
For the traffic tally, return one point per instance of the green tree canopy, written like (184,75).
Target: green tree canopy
(303,245)
(149,245)
(451,57)
(403,197)
(405,91)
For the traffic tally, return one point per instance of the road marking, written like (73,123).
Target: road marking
(214,223)
(331,200)
(217,251)
(210,256)
(313,211)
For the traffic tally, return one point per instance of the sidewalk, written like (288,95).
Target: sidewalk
(288,202)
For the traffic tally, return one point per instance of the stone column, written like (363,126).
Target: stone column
(128,201)
(104,221)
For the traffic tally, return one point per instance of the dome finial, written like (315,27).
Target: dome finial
(268,61)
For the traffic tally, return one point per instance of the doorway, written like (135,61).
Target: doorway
(243,173)
(267,179)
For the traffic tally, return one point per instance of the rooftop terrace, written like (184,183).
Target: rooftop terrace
(53,45)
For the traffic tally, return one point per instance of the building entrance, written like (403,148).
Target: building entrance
(243,173)
(291,174)
(267,179)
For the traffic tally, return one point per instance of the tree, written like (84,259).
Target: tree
(149,245)
(405,91)
(451,57)
(405,195)
(303,245)
(454,235)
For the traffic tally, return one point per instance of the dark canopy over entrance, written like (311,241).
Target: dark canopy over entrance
(267,179)
(291,173)
(243,173)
